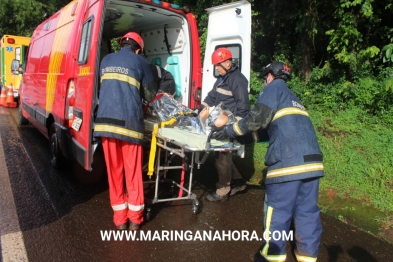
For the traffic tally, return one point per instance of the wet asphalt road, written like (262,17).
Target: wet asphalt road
(61,219)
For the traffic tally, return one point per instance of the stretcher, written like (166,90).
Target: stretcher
(191,147)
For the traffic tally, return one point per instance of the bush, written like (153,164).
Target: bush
(328,89)
(256,86)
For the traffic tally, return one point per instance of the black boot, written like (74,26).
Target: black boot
(215,197)
(123,226)
(237,185)
(134,226)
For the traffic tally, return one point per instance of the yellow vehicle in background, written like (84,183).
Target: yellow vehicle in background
(12,48)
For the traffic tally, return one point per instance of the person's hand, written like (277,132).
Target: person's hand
(220,134)
(204,113)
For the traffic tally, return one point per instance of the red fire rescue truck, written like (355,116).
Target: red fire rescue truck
(60,89)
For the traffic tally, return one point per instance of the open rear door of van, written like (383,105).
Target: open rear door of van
(229,26)
(86,83)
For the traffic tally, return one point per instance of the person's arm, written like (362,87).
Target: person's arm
(240,91)
(148,83)
(209,100)
(259,116)
(260,135)
(150,91)
(167,82)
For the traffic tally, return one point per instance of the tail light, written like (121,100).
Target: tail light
(70,102)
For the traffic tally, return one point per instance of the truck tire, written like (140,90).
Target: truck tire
(21,119)
(56,156)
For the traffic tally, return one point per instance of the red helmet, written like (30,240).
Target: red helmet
(134,36)
(220,55)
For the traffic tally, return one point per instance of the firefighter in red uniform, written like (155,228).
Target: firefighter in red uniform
(126,78)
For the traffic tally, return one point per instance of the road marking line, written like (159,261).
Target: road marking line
(12,244)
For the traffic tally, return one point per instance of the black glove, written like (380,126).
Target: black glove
(220,134)
(200,108)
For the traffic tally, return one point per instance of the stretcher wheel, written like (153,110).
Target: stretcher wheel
(196,207)
(172,190)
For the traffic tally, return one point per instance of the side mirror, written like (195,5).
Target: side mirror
(15,67)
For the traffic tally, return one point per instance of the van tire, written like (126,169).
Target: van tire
(56,156)
(21,119)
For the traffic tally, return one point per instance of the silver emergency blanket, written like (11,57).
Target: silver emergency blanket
(167,107)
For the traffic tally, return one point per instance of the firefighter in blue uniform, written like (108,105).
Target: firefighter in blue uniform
(126,78)
(231,89)
(294,162)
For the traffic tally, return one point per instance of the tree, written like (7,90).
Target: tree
(21,17)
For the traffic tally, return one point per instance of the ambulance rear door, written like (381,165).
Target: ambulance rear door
(229,26)
(86,84)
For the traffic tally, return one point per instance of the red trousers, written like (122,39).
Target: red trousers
(124,165)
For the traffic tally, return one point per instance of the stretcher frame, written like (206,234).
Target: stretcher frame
(171,148)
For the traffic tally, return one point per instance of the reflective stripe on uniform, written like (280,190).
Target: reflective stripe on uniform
(255,137)
(159,72)
(135,208)
(305,258)
(117,130)
(237,129)
(289,111)
(264,251)
(224,92)
(295,170)
(121,77)
(119,207)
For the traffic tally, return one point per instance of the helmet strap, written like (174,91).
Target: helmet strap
(226,70)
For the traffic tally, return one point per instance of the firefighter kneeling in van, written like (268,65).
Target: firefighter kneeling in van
(126,78)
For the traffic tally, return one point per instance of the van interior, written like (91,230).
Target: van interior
(165,33)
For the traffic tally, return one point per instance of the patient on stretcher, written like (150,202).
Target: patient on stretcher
(167,108)
(179,123)
(218,116)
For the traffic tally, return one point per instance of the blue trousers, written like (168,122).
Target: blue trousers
(287,201)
